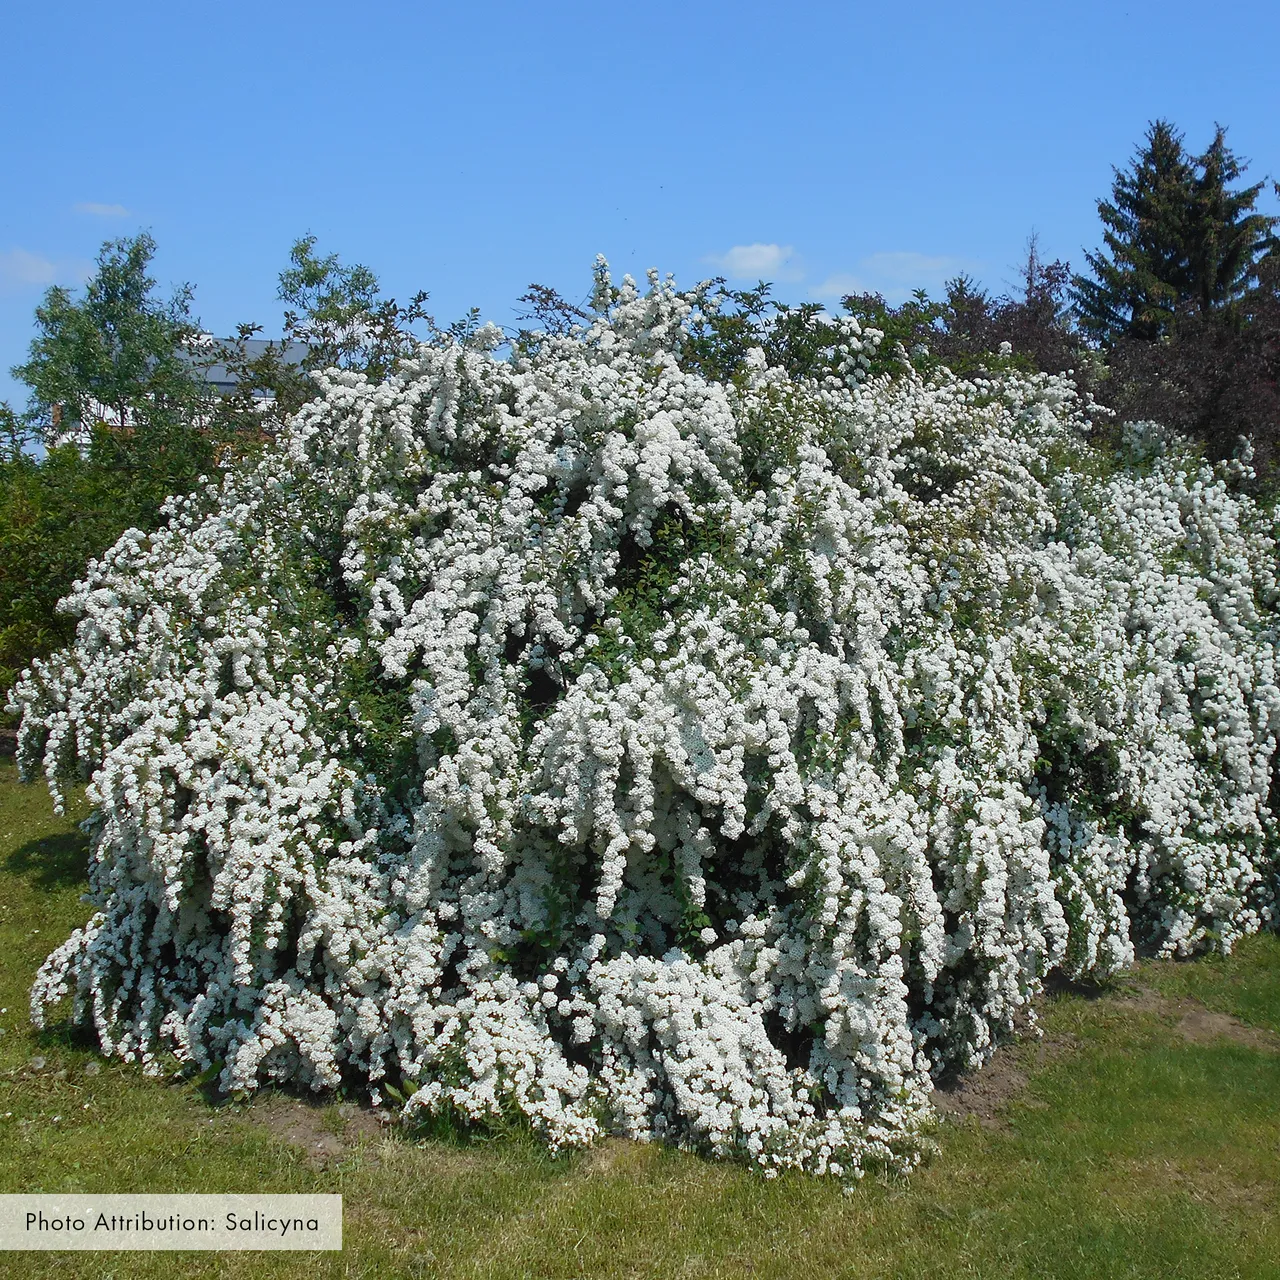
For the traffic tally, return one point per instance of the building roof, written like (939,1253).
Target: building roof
(224,380)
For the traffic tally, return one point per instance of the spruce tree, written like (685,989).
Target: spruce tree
(1143,271)
(1228,236)
(1178,240)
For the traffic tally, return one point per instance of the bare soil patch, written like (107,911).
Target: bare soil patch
(985,1094)
(1215,1185)
(326,1132)
(1199,1025)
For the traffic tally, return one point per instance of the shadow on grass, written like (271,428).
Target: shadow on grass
(1057,984)
(52,862)
(67,1035)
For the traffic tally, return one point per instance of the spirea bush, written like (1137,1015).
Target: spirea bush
(572,737)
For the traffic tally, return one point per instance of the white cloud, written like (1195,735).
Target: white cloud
(895,275)
(911,269)
(21,271)
(758,262)
(102,210)
(838,286)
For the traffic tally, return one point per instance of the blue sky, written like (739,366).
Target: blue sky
(470,150)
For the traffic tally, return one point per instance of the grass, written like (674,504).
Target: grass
(1141,1140)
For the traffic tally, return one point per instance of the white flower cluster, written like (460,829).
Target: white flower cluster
(572,735)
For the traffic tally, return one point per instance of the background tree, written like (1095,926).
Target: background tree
(1178,240)
(117,352)
(1215,378)
(335,317)
(340,313)
(1228,236)
(117,371)
(1143,270)
(118,401)
(1036,321)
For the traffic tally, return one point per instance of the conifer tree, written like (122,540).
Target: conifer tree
(1178,239)
(1143,270)
(1229,236)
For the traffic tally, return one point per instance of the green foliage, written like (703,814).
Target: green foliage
(340,313)
(117,352)
(910,325)
(117,398)
(53,517)
(58,513)
(1179,239)
(335,317)
(963,331)
(801,339)
(1229,236)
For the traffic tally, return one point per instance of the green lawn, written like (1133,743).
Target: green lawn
(1145,1141)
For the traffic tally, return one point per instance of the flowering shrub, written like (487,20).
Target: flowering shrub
(575,736)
